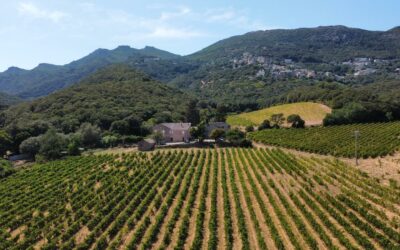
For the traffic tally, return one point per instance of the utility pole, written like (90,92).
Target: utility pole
(357,135)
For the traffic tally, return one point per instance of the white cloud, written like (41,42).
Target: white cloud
(31,10)
(182,11)
(169,32)
(232,17)
(220,15)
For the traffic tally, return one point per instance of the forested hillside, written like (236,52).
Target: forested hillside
(7,100)
(117,96)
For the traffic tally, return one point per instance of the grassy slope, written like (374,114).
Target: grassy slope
(312,113)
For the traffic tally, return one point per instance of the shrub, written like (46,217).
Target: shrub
(249,129)
(52,145)
(30,146)
(296,121)
(217,134)
(90,135)
(266,124)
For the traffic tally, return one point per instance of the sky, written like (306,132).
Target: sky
(60,31)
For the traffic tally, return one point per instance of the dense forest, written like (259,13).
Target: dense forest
(117,99)
(7,100)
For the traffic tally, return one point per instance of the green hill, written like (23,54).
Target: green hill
(47,78)
(312,113)
(109,95)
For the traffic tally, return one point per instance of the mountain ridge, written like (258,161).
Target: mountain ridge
(307,50)
(332,35)
(47,78)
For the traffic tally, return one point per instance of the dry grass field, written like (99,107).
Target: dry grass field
(312,113)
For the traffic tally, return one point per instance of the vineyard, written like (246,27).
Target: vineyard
(197,199)
(377,139)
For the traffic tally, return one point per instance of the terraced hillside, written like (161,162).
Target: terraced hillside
(375,139)
(215,199)
(312,113)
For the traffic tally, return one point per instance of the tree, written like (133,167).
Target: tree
(6,168)
(264,125)
(198,132)
(135,125)
(164,116)
(90,135)
(234,134)
(192,113)
(157,136)
(38,127)
(52,145)
(277,119)
(70,125)
(296,121)
(5,142)
(73,148)
(30,146)
(220,115)
(109,140)
(217,133)
(206,115)
(249,128)
(237,138)
(120,127)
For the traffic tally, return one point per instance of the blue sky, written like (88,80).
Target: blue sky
(59,31)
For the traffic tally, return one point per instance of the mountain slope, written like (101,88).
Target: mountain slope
(327,43)
(109,95)
(47,78)
(254,68)
(7,100)
(249,68)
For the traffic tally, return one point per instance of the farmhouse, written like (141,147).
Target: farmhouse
(216,125)
(173,132)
